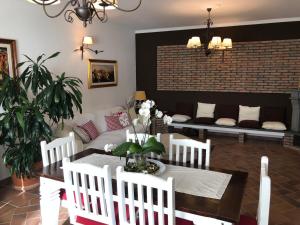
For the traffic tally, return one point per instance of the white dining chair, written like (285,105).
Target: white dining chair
(89,193)
(141,137)
(187,149)
(57,149)
(264,198)
(149,200)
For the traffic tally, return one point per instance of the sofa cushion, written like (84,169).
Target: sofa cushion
(248,113)
(226,111)
(84,136)
(115,137)
(83,119)
(273,114)
(226,122)
(204,120)
(100,117)
(249,124)
(273,125)
(91,129)
(123,118)
(113,123)
(205,110)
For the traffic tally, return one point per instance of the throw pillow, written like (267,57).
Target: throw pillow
(226,122)
(90,129)
(273,125)
(84,136)
(123,118)
(180,118)
(248,113)
(205,110)
(113,123)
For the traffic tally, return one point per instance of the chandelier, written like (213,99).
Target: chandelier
(211,43)
(84,10)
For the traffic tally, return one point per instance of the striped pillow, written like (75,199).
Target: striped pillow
(113,123)
(91,129)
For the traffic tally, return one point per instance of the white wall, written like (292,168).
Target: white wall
(35,34)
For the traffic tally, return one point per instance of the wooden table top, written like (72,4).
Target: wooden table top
(226,209)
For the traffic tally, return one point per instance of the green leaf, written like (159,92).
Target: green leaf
(152,145)
(20,118)
(53,55)
(135,148)
(20,64)
(122,149)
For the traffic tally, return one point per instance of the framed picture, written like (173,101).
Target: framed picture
(8,58)
(102,73)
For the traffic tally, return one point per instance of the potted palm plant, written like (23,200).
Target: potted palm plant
(32,103)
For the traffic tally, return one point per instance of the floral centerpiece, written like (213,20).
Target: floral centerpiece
(136,152)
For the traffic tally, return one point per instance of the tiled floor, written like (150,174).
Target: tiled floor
(23,208)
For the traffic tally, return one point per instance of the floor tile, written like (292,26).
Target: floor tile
(22,208)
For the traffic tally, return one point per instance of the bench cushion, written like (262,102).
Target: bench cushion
(204,120)
(249,124)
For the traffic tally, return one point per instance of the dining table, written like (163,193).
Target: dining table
(205,210)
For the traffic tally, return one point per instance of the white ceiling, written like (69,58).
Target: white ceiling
(176,13)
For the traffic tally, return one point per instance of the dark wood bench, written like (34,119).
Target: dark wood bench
(241,132)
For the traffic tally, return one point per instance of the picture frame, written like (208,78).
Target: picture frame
(8,58)
(102,73)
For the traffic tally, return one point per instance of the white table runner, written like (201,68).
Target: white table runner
(204,183)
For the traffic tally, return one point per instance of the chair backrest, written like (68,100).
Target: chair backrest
(155,199)
(264,193)
(186,150)
(89,191)
(140,137)
(57,149)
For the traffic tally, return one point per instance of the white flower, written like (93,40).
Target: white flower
(144,112)
(109,147)
(158,114)
(151,103)
(145,120)
(167,120)
(146,105)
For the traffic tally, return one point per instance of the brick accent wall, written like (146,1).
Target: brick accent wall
(255,67)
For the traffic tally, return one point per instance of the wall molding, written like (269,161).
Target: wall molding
(245,23)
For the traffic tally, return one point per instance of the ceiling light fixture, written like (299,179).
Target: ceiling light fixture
(211,43)
(85,10)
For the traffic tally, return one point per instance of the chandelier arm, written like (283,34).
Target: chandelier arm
(61,11)
(121,9)
(95,13)
(68,15)
(54,1)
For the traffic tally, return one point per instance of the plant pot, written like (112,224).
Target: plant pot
(24,183)
(143,161)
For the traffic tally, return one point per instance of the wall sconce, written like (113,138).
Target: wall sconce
(86,42)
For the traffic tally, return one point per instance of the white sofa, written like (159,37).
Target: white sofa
(98,118)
